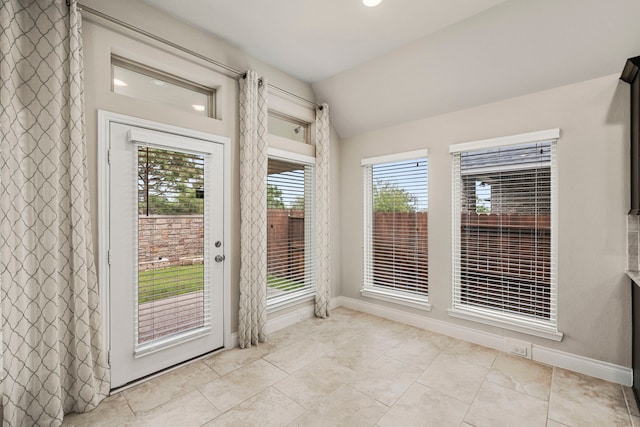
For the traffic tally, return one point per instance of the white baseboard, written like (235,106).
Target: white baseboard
(288,319)
(233,341)
(293,317)
(595,368)
(573,362)
(335,302)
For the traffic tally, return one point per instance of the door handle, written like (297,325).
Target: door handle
(219,258)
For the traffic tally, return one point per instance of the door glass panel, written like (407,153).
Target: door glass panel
(171,244)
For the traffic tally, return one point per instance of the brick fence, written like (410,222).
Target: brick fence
(168,240)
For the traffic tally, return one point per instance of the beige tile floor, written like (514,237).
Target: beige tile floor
(354,369)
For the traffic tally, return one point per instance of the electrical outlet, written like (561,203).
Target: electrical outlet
(519,351)
(518,348)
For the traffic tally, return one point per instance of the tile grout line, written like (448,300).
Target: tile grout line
(627,404)
(129,405)
(484,380)
(553,375)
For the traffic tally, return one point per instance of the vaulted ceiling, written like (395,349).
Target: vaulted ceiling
(409,59)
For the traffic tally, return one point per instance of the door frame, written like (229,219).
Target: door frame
(105,118)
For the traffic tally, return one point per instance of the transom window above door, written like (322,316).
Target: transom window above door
(139,81)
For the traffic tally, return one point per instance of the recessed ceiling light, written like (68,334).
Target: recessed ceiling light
(371,3)
(118,82)
(198,107)
(158,82)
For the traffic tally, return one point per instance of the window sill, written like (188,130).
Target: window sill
(413,301)
(285,301)
(484,316)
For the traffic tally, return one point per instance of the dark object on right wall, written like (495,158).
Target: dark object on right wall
(631,75)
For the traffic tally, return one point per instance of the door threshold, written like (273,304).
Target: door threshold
(154,375)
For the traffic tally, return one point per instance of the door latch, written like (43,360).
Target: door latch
(219,258)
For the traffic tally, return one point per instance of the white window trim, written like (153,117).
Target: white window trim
(515,323)
(397,157)
(287,145)
(286,301)
(408,299)
(164,141)
(522,138)
(397,297)
(294,298)
(288,155)
(280,102)
(283,104)
(548,330)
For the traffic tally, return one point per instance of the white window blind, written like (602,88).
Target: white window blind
(504,261)
(172,264)
(396,216)
(290,230)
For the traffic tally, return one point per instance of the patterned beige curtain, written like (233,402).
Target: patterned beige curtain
(253,210)
(323,262)
(53,354)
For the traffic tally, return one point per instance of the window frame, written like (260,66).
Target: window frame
(292,298)
(283,106)
(486,315)
(304,125)
(154,73)
(369,289)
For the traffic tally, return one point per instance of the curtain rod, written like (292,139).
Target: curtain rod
(234,73)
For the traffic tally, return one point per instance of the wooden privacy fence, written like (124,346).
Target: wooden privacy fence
(285,243)
(400,250)
(505,262)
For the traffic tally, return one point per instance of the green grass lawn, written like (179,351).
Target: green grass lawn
(282,283)
(173,281)
(169,282)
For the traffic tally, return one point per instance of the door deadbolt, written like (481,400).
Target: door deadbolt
(219,258)
(218,244)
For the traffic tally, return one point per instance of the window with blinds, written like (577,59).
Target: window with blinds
(290,230)
(396,234)
(504,247)
(171,244)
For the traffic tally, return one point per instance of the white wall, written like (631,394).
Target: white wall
(594,308)
(101,39)
(594,293)
(515,48)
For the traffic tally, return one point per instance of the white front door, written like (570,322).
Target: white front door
(166,249)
